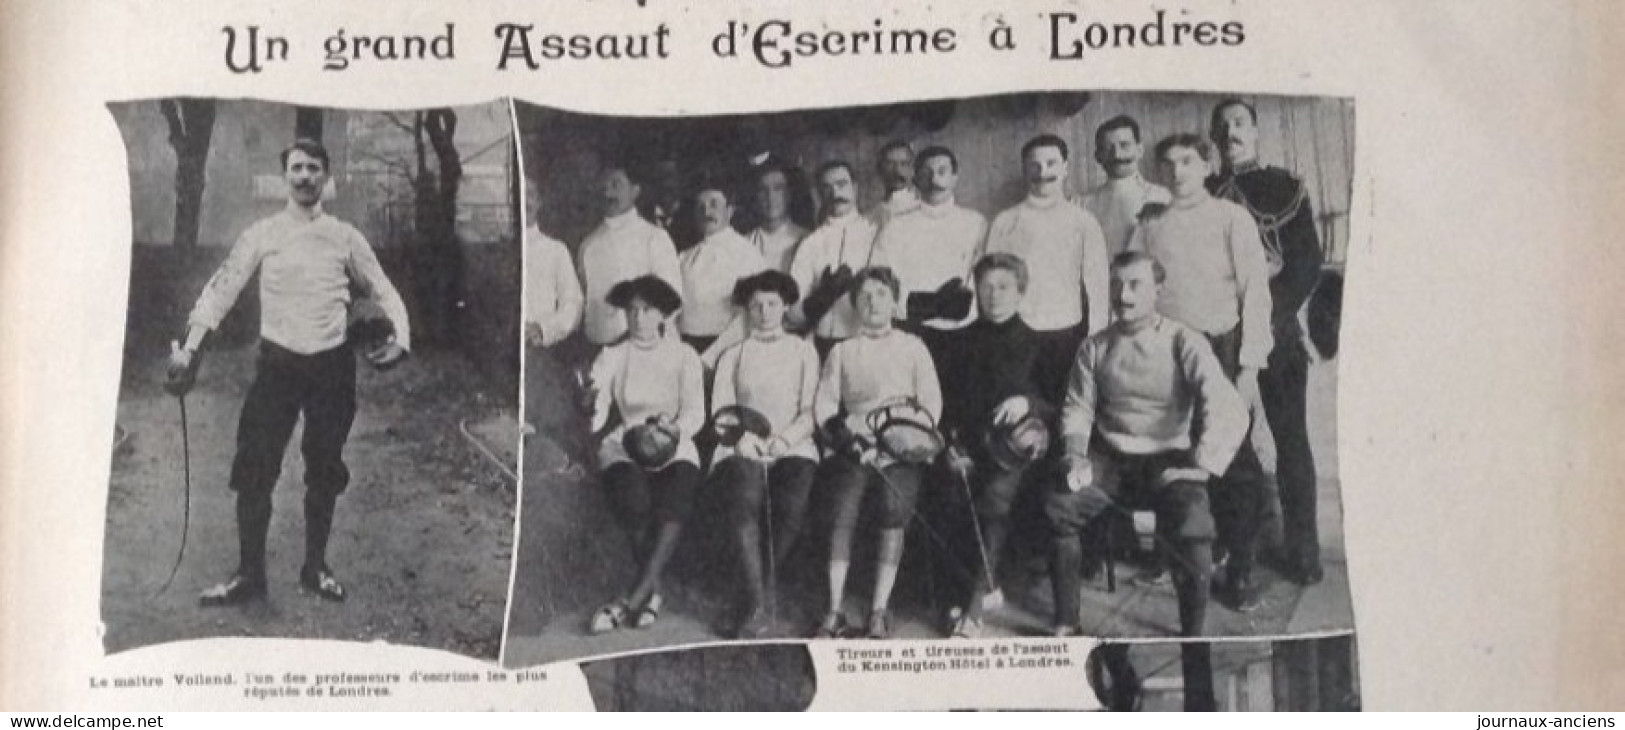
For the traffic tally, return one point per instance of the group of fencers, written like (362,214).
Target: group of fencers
(1134,350)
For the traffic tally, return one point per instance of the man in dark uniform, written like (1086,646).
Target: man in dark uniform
(1279,203)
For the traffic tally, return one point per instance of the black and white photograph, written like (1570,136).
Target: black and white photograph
(1044,364)
(317,427)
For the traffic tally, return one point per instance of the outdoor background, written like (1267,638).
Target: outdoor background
(422,537)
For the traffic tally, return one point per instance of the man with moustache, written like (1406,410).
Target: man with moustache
(829,257)
(1278,202)
(1119,203)
(1218,284)
(931,250)
(778,235)
(308,263)
(711,269)
(896,168)
(623,247)
(1066,258)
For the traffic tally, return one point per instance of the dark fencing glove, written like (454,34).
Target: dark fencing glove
(180,373)
(652,443)
(950,301)
(830,288)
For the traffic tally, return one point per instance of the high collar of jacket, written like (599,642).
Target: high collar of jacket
(305,215)
(1001,329)
(617,222)
(937,210)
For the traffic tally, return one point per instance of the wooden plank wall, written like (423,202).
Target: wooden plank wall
(1312,136)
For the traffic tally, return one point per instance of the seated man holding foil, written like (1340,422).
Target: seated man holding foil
(1137,393)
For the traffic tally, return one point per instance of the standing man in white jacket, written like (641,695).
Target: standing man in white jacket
(307,262)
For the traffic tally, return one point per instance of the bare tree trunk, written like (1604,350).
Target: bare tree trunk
(191,125)
(424,188)
(440,125)
(422,255)
(437,259)
(307,123)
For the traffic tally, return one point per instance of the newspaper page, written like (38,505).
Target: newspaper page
(663,355)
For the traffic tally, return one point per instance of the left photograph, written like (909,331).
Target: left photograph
(316,433)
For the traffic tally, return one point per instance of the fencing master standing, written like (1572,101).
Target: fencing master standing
(308,264)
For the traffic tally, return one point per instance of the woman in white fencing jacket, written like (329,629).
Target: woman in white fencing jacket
(764,393)
(651,468)
(878,401)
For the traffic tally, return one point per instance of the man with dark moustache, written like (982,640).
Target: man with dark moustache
(710,270)
(308,262)
(896,168)
(932,248)
(1066,258)
(623,247)
(1149,419)
(1280,205)
(1119,202)
(828,258)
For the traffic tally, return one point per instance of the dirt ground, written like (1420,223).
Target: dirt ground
(422,538)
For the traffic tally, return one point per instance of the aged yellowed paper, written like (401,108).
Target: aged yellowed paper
(1477,398)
